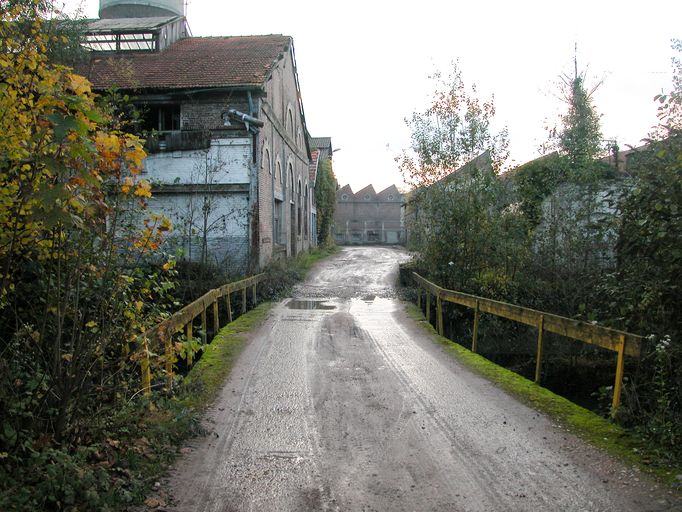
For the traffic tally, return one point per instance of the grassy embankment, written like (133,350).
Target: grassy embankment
(589,426)
(173,420)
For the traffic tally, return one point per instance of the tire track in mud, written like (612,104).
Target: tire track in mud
(352,407)
(264,443)
(523,478)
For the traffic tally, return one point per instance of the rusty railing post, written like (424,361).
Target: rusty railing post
(439,314)
(204,327)
(228,303)
(216,319)
(427,313)
(538,361)
(145,367)
(169,353)
(419,298)
(190,337)
(620,367)
(477,316)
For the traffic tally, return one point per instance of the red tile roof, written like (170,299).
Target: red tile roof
(312,167)
(195,62)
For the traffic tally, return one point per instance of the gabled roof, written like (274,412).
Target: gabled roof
(192,63)
(344,190)
(321,142)
(324,144)
(392,190)
(368,190)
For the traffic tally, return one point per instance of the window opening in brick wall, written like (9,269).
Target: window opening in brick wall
(161,117)
(299,216)
(277,228)
(305,224)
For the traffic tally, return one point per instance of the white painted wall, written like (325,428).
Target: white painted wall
(227,233)
(226,161)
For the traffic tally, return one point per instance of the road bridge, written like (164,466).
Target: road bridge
(342,402)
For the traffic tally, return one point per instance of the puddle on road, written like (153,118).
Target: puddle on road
(309,304)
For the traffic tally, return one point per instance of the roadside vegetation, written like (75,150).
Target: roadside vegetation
(325,199)
(81,278)
(567,233)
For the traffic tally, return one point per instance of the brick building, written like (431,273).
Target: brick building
(368,217)
(229,153)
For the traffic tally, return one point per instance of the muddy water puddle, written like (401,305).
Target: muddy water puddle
(309,304)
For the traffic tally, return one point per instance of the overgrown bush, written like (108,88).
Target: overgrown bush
(75,291)
(568,235)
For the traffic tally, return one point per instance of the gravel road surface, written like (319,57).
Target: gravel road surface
(341,402)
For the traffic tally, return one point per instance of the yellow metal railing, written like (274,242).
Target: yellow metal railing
(623,343)
(162,334)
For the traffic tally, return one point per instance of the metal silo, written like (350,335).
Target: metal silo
(140,8)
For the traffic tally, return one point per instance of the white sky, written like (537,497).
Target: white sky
(364,65)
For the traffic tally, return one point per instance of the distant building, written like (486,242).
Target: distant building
(320,150)
(368,217)
(229,153)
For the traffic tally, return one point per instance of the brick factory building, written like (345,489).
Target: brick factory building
(229,153)
(368,217)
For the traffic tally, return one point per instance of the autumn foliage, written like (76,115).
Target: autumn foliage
(78,251)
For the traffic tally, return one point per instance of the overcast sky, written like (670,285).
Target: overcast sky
(364,66)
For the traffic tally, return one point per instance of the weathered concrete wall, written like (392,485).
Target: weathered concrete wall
(224,226)
(226,161)
(266,173)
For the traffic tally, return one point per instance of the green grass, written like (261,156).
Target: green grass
(141,438)
(591,427)
(206,378)
(204,381)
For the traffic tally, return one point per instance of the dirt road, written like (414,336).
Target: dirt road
(340,402)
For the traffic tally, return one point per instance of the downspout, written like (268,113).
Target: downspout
(254,231)
(275,234)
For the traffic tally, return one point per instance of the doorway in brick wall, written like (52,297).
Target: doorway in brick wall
(292,229)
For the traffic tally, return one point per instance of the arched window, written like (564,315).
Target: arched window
(300,208)
(278,172)
(290,122)
(265,163)
(306,211)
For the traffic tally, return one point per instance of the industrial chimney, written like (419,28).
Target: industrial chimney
(140,8)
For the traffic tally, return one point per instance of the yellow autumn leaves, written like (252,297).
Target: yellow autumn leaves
(62,158)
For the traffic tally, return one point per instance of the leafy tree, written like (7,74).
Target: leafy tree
(581,136)
(461,222)
(534,182)
(451,132)
(325,198)
(74,235)
(642,294)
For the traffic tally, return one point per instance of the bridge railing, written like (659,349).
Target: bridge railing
(162,334)
(623,343)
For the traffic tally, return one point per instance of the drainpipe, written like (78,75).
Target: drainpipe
(274,233)
(254,194)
